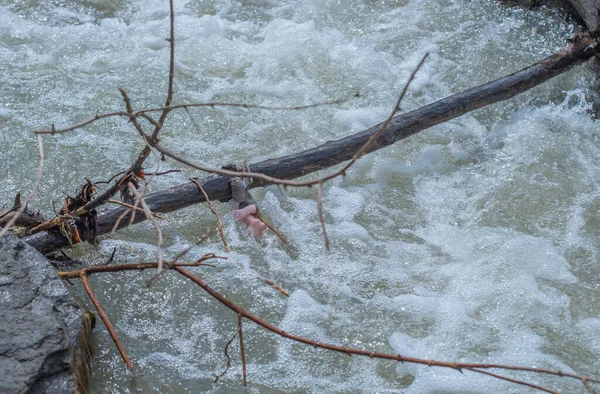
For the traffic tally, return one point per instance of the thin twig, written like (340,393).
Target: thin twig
(247,106)
(242,351)
(286,182)
(320,212)
(156,215)
(33,192)
(53,130)
(119,219)
(134,267)
(275,285)
(107,323)
(186,251)
(220,223)
(588,386)
(149,216)
(517,381)
(226,351)
(112,257)
(129,108)
(162,173)
(165,112)
(143,113)
(273,229)
(111,178)
(145,189)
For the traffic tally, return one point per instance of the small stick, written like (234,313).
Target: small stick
(275,285)
(588,386)
(521,382)
(119,219)
(270,227)
(159,241)
(156,215)
(220,223)
(109,327)
(242,351)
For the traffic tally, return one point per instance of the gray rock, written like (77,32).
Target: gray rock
(587,10)
(39,322)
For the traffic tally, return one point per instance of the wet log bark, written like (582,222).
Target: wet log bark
(580,49)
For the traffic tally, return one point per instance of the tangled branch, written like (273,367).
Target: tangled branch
(480,368)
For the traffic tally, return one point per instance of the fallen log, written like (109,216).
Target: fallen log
(580,49)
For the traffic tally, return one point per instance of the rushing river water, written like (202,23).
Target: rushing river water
(475,241)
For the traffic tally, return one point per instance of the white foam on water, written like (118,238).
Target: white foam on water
(474,241)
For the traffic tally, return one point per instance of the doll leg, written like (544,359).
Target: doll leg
(241,214)
(257,227)
(246,215)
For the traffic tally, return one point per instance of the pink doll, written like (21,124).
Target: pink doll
(246,209)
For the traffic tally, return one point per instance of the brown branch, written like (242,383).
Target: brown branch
(242,313)
(165,112)
(517,381)
(53,130)
(350,351)
(275,285)
(129,108)
(105,320)
(134,267)
(220,223)
(588,386)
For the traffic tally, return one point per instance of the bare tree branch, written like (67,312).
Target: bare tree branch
(332,153)
(242,313)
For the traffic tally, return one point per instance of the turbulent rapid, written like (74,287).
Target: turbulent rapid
(475,241)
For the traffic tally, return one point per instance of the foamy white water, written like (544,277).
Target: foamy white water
(474,241)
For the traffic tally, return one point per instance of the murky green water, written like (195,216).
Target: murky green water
(474,241)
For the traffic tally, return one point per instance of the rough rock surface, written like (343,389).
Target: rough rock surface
(587,10)
(39,321)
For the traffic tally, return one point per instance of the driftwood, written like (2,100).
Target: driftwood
(580,49)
